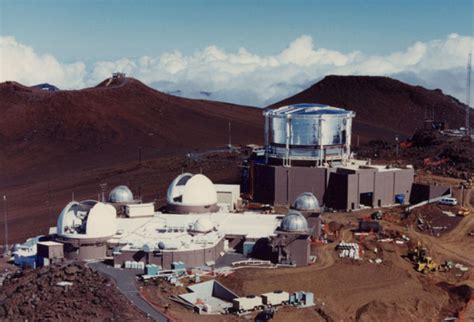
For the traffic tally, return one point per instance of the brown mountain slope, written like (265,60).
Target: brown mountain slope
(384,107)
(118,117)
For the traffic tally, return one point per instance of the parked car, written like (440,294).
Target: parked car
(449,201)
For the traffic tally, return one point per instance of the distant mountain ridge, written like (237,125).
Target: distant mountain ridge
(383,104)
(118,114)
(121,114)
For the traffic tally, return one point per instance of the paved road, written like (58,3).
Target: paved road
(125,280)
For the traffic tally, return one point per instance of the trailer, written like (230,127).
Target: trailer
(247,303)
(275,298)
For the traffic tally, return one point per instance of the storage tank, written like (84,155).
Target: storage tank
(310,132)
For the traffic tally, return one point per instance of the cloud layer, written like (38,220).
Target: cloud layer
(246,78)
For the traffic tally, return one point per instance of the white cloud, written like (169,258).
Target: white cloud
(20,63)
(247,78)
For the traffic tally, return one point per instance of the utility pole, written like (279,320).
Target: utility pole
(230,136)
(103,187)
(5,218)
(396,146)
(468,94)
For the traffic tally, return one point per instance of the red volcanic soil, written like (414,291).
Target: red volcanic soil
(54,144)
(40,126)
(384,107)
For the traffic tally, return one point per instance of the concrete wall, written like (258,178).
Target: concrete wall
(338,188)
(182,209)
(165,258)
(50,251)
(352,192)
(228,191)
(403,183)
(293,247)
(82,249)
(290,182)
(263,183)
(366,180)
(421,192)
(383,192)
(300,251)
(336,194)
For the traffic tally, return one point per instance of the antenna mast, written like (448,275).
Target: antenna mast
(230,136)
(468,94)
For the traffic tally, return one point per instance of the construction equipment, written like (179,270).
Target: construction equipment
(463,212)
(426,265)
(417,253)
(423,263)
(378,215)
(446,266)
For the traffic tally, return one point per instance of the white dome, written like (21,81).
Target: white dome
(121,194)
(87,219)
(203,225)
(192,190)
(294,222)
(306,201)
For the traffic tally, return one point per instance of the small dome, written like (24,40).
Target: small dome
(148,248)
(306,201)
(170,244)
(161,245)
(294,222)
(121,194)
(192,190)
(203,225)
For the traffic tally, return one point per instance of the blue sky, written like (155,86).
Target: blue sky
(98,30)
(247,52)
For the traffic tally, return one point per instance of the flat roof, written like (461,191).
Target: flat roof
(309,109)
(362,165)
(49,243)
(172,229)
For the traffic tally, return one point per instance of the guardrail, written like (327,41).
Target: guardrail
(426,202)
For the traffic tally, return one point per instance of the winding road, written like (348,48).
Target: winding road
(125,281)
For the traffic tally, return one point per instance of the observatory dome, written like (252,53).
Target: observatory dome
(191,190)
(306,201)
(294,222)
(121,194)
(203,225)
(87,219)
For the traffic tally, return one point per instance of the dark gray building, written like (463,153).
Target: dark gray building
(307,149)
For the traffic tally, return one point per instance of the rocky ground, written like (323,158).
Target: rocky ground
(348,290)
(427,150)
(36,295)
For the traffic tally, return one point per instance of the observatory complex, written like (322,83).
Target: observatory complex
(307,164)
(308,149)
(196,229)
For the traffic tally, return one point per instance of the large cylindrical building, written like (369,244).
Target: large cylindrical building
(314,133)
